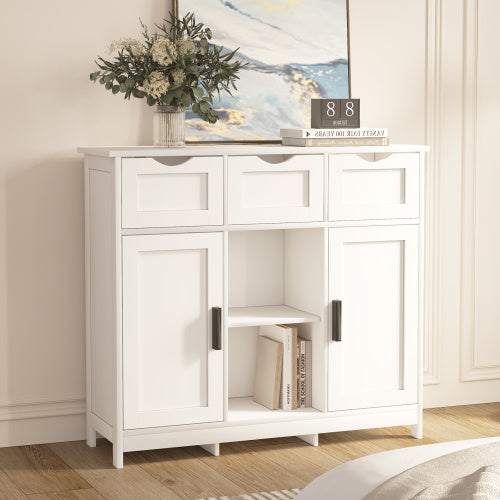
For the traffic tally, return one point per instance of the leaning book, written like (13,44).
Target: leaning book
(337,141)
(268,373)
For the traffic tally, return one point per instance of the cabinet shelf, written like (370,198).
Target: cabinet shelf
(247,410)
(268,315)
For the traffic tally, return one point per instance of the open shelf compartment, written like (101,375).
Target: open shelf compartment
(275,276)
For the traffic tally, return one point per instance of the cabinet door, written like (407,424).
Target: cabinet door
(374,273)
(171,373)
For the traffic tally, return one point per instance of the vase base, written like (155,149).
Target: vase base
(169,145)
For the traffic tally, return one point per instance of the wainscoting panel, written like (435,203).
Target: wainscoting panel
(480,325)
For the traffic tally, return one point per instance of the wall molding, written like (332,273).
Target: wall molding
(20,410)
(431,246)
(470,368)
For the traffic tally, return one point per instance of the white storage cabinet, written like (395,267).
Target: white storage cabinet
(189,251)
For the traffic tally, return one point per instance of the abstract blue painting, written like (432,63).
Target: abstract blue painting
(296,50)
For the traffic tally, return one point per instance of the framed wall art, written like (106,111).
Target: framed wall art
(295,49)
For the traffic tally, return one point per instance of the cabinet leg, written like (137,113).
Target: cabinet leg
(118,456)
(91,437)
(213,449)
(417,430)
(312,439)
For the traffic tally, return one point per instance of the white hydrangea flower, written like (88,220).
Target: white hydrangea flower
(185,46)
(160,54)
(157,85)
(134,45)
(178,76)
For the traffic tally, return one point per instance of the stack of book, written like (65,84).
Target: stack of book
(283,377)
(334,137)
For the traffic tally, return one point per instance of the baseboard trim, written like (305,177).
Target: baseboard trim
(30,431)
(41,409)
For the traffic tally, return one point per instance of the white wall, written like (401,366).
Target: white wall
(407,68)
(49,107)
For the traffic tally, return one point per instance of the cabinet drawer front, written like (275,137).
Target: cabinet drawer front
(172,191)
(374,186)
(275,188)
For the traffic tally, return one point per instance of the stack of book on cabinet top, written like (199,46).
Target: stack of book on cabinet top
(283,377)
(334,137)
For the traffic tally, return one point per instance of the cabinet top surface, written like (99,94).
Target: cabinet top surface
(242,149)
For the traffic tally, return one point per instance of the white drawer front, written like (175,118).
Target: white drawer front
(275,188)
(172,191)
(373,186)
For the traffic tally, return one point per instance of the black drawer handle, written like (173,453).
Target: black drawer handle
(336,320)
(216,328)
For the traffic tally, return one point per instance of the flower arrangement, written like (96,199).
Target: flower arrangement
(176,66)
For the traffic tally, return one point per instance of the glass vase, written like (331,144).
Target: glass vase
(168,126)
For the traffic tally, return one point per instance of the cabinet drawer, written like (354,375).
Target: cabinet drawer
(172,191)
(275,188)
(374,186)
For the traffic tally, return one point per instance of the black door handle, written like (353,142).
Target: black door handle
(336,320)
(216,328)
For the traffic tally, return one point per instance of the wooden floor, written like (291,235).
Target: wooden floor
(74,471)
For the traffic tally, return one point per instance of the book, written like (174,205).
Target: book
(335,141)
(305,373)
(315,133)
(288,337)
(268,369)
(297,361)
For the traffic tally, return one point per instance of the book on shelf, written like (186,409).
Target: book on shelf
(287,335)
(305,385)
(268,370)
(322,133)
(297,363)
(335,141)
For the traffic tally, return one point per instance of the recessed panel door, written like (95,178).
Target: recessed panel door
(373,287)
(172,289)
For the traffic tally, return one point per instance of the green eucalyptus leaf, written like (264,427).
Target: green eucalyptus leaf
(151,100)
(138,93)
(129,83)
(186,100)
(198,92)
(108,85)
(205,106)
(102,80)
(115,89)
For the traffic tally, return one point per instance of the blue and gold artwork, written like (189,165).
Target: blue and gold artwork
(296,50)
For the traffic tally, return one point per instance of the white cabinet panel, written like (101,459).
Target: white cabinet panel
(374,272)
(171,373)
(172,192)
(373,186)
(275,188)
